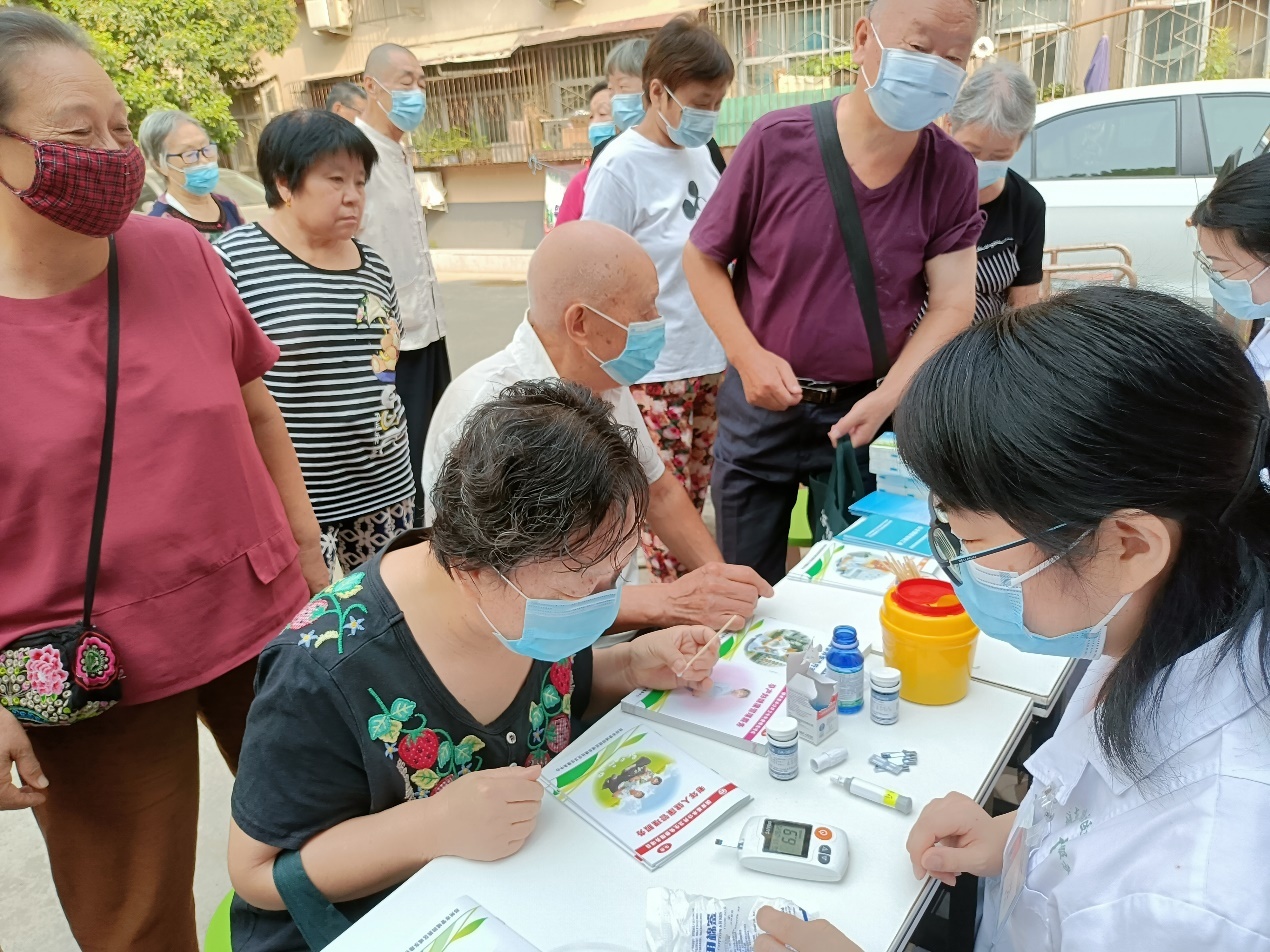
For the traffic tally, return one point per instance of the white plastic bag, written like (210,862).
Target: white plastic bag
(676,921)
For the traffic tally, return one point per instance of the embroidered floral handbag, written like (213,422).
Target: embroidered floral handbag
(63,675)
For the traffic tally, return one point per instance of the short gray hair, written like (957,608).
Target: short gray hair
(154,132)
(542,473)
(627,57)
(24,30)
(1000,96)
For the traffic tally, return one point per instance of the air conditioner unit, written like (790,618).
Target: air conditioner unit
(330,16)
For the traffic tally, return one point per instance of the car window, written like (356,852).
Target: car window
(1022,161)
(1133,139)
(1234,122)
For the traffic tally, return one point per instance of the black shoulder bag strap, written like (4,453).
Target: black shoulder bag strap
(108,433)
(319,922)
(716,156)
(852,228)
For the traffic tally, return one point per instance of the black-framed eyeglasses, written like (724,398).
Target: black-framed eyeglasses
(948,549)
(208,151)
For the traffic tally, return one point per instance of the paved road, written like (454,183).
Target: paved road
(481,316)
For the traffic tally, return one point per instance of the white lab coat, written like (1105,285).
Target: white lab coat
(1179,862)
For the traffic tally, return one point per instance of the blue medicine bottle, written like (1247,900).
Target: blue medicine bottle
(846,664)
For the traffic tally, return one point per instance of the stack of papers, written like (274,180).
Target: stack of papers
(893,474)
(642,792)
(748,691)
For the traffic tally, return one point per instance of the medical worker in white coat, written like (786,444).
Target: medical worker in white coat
(1097,464)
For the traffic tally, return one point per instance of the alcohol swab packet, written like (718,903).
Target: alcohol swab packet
(676,921)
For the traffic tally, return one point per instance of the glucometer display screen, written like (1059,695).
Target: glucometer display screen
(786,839)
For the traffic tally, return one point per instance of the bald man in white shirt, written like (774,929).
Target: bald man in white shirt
(583,270)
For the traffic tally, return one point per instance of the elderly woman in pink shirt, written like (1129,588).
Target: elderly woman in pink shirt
(207,540)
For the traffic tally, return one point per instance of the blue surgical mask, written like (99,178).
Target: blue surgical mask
(696,126)
(1235,297)
(597,132)
(201,179)
(408,107)
(990,172)
(994,601)
(644,343)
(912,89)
(558,628)
(628,109)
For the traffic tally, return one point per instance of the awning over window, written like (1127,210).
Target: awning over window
(492,46)
(496,46)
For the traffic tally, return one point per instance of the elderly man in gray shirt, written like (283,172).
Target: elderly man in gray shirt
(393,224)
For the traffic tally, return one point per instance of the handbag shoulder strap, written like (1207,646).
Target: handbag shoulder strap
(108,432)
(852,229)
(319,922)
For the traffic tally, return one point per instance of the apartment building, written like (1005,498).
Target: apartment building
(507,79)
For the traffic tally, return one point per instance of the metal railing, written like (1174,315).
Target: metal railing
(1119,271)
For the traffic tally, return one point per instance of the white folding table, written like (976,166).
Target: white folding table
(571,889)
(820,607)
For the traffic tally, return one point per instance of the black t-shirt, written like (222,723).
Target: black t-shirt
(1011,247)
(349,719)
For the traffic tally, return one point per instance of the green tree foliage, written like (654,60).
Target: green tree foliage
(1219,55)
(182,54)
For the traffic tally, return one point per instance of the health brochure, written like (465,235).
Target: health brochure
(643,793)
(461,925)
(854,566)
(748,690)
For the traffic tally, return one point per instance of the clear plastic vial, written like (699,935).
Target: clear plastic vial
(846,664)
(884,695)
(782,748)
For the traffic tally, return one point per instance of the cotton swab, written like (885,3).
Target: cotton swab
(713,640)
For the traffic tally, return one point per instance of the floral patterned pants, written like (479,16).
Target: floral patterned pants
(682,418)
(350,542)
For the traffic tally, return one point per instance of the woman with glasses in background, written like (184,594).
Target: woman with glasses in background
(1233,223)
(179,149)
(1102,493)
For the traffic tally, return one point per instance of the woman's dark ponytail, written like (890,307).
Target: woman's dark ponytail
(1102,401)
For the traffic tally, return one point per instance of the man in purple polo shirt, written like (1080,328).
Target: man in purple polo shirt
(791,311)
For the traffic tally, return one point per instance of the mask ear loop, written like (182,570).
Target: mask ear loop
(1256,465)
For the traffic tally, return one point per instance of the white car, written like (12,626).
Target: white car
(1129,165)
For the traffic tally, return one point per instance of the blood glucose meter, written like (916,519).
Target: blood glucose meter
(793,849)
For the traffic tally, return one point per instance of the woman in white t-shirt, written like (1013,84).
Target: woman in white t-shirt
(1100,492)
(1234,238)
(652,183)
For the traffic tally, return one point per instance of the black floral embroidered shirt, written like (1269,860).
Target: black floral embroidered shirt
(350,719)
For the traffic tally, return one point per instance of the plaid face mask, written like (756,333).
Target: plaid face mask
(89,191)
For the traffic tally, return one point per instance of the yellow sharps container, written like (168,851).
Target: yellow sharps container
(928,636)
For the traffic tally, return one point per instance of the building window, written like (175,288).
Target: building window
(1167,46)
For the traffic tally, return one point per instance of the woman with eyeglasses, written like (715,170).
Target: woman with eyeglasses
(1233,224)
(179,149)
(1103,486)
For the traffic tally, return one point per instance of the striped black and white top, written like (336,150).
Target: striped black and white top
(1011,246)
(339,333)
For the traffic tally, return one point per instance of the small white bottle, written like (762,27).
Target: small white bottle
(884,695)
(782,748)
